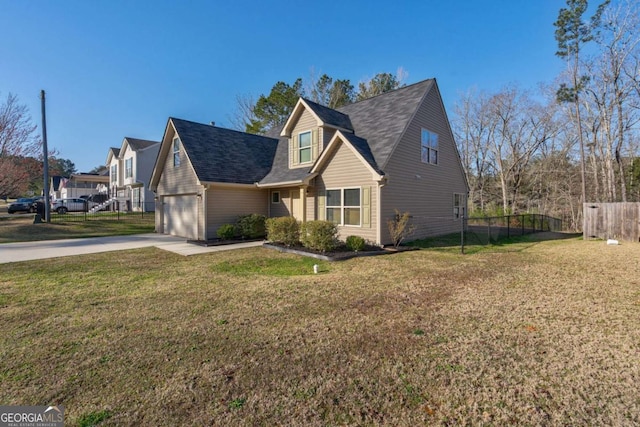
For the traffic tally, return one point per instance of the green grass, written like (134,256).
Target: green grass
(293,266)
(545,333)
(22,229)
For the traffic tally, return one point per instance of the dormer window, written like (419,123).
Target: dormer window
(304,147)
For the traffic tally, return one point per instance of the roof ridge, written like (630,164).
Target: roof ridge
(388,92)
(221,128)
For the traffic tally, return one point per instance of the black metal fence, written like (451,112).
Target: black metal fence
(115,211)
(490,229)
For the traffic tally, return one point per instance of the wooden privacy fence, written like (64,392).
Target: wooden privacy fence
(618,221)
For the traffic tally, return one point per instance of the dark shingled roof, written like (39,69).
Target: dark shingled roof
(280,171)
(115,151)
(225,155)
(330,116)
(139,144)
(381,120)
(378,123)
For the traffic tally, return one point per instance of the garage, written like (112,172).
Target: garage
(180,216)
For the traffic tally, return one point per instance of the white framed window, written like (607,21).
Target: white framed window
(128,168)
(114,173)
(176,152)
(344,206)
(275,197)
(429,147)
(136,202)
(459,205)
(304,147)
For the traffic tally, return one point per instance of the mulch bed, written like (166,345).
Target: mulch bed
(340,254)
(220,242)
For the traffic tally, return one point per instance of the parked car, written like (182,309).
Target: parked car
(63,206)
(24,204)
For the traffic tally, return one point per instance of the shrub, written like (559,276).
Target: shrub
(285,230)
(355,243)
(399,228)
(319,235)
(251,226)
(226,231)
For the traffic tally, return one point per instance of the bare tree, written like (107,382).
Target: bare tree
(243,115)
(17,141)
(474,128)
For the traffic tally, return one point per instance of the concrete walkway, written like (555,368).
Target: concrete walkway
(28,251)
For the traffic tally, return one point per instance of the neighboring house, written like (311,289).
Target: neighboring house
(78,184)
(130,168)
(353,166)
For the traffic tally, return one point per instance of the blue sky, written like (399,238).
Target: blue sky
(120,68)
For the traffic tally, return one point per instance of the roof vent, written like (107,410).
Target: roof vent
(212,123)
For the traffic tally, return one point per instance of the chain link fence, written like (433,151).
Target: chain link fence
(485,230)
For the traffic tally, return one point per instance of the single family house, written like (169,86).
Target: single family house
(354,165)
(78,184)
(130,168)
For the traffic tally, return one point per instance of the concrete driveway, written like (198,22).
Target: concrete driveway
(28,251)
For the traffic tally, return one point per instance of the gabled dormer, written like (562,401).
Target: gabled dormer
(309,128)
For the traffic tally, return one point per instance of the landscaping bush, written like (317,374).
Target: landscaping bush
(319,235)
(399,227)
(285,230)
(355,243)
(251,226)
(226,231)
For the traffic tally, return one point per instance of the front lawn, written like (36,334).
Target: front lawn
(22,228)
(536,333)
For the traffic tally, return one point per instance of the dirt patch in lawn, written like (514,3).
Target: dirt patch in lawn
(544,335)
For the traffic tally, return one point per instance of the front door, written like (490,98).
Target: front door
(296,204)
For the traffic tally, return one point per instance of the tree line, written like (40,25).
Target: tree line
(567,142)
(270,111)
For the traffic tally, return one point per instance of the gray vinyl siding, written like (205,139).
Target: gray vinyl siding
(345,170)
(284,207)
(226,204)
(305,122)
(179,180)
(424,190)
(311,203)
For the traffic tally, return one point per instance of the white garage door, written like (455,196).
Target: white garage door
(180,215)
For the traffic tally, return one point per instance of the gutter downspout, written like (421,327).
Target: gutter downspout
(381,184)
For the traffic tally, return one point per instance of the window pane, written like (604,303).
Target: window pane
(352,197)
(425,154)
(434,156)
(305,155)
(305,139)
(352,216)
(333,198)
(433,139)
(333,215)
(425,137)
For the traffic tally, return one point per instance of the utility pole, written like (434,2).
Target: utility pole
(45,157)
